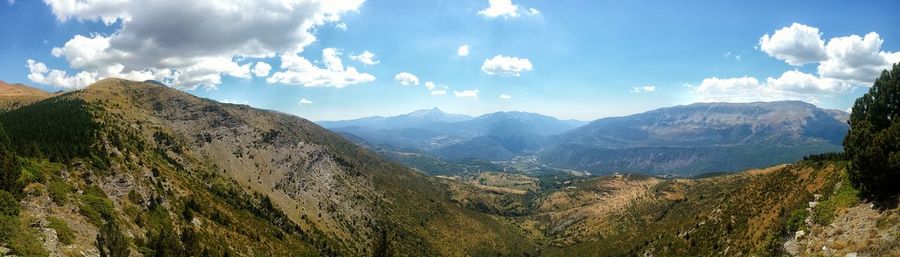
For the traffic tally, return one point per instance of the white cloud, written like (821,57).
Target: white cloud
(435,88)
(11,2)
(499,8)
(856,59)
(843,63)
(304,101)
(799,82)
(341,26)
(797,45)
(39,73)
(471,94)
(406,79)
(463,50)
(505,97)
(297,70)
(791,85)
(261,69)
(366,57)
(509,66)
(505,9)
(643,89)
(186,45)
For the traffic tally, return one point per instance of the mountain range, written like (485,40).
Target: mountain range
(494,136)
(681,140)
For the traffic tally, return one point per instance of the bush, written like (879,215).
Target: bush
(96,207)
(59,191)
(8,204)
(63,232)
(873,143)
(843,198)
(111,242)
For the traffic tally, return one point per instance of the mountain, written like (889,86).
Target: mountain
(494,136)
(187,176)
(416,119)
(701,137)
(16,95)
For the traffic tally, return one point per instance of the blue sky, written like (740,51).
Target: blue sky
(586,59)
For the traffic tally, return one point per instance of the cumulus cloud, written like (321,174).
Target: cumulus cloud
(39,73)
(304,102)
(505,97)
(261,69)
(186,45)
(791,85)
(406,79)
(797,45)
(366,57)
(856,59)
(508,66)
(471,94)
(505,9)
(296,70)
(843,63)
(643,89)
(463,50)
(435,88)
(430,85)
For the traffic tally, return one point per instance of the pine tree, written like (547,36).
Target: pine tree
(111,242)
(873,143)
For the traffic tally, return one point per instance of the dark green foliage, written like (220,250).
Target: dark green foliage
(873,143)
(165,242)
(10,168)
(111,242)
(8,204)
(63,232)
(823,157)
(60,128)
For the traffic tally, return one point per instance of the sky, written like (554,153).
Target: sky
(343,59)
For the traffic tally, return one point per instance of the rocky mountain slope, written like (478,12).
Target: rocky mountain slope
(255,182)
(701,137)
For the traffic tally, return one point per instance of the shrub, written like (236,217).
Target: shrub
(63,232)
(8,204)
(111,242)
(59,191)
(844,197)
(95,207)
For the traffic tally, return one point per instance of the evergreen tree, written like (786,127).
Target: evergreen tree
(111,242)
(10,168)
(873,143)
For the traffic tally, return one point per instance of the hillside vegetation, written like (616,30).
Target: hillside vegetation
(155,171)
